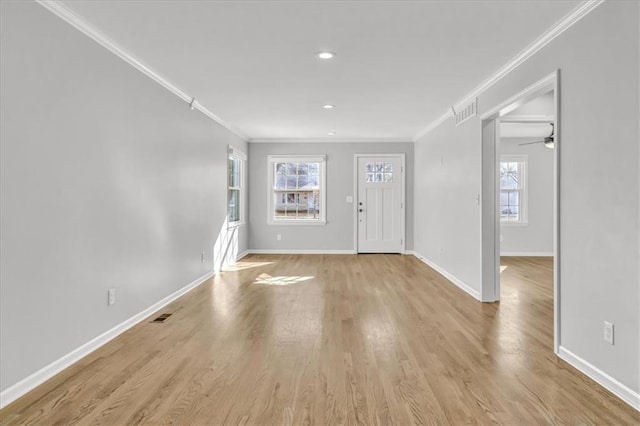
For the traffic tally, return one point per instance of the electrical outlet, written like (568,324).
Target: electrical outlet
(278,237)
(608,332)
(202,258)
(349,199)
(111,296)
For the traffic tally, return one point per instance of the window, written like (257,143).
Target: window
(235,187)
(513,190)
(296,190)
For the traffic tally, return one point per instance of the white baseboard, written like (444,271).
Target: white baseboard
(278,251)
(14,392)
(612,385)
(241,255)
(458,282)
(527,253)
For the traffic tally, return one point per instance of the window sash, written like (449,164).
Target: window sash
(297,193)
(514,208)
(235,187)
(234,206)
(506,212)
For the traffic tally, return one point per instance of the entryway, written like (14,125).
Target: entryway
(506,188)
(380,203)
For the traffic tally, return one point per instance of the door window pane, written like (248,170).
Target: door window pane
(378,172)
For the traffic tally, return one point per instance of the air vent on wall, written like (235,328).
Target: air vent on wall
(465,112)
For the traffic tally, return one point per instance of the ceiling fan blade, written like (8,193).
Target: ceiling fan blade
(530,143)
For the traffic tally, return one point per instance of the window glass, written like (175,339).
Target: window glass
(297,189)
(235,187)
(512,189)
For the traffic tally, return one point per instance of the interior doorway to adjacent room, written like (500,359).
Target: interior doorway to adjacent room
(520,208)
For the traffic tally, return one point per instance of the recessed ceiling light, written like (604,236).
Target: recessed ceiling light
(325,55)
(328,106)
(331,133)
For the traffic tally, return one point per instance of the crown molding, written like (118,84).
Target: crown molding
(57,8)
(437,122)
(560,27)
(81,25)
(326,140)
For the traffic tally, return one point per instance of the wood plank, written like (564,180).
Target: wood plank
(334,339)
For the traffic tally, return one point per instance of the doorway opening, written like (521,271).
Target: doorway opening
(520,196)
(379,208)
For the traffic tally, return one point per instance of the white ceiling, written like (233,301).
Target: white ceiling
(399,64)
(525,130)
(530,120)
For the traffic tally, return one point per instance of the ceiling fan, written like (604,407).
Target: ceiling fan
(548,141)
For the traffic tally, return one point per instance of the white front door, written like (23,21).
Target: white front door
(380,209)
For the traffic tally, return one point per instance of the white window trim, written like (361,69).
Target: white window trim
(524,191)
(271,160)
(240,155)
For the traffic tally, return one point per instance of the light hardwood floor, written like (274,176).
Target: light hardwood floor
(342,339)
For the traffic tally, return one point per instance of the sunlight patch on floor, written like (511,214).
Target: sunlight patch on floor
(502,268)
(266,279)
(241,266)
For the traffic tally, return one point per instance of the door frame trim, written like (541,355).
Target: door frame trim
(403,198)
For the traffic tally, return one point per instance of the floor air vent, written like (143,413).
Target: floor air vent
(161,318)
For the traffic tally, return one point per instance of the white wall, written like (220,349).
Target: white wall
(337,234)
(598,59)
(540,106)
(536,236)
(107,180)
(447,226)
